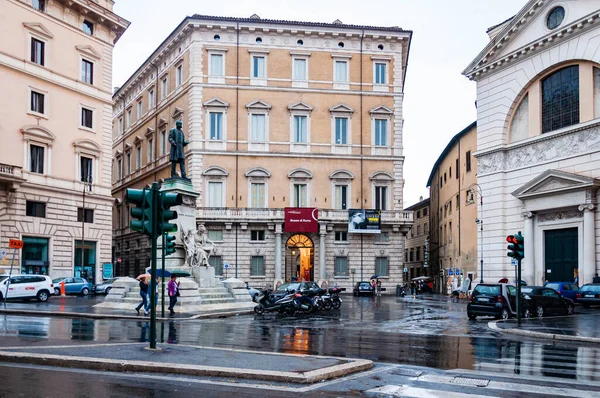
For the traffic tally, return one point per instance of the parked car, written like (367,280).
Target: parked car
(547,301)
(300,287)
(72,286)
(589,294)
(363,288)
(495,299)
(104,287)
(567,289)
(26,287)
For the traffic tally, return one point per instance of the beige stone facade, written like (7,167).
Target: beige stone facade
(55,125)
(416,253)
(279,114)
(454,199)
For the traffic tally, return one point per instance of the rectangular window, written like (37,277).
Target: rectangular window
(450,232)
(341,71)
(381,266)
(450,206)
(216,126)
(300,65)
(341,197)
(457,169)
(457,201)
(119,169)
(39,5)
(179,76)
(418,230)
(140,109)
(411,258)
(37,102)
(89,215)
(425,229)
(257,192)
(258,67)
(468,159)
(450,172)
(87,72)
(341,266)
(217,263)
(257,235)
(36,162)
(381,198)
(258,128)
(164,88)
(216,65)
(128,163)
(150,150)
(380,73)
(257,266)
(35,209)
(215,194)
(418,254)
(383,237)
(87,118)
(445,175)
(86,169)
(300,192)
(418,213)
(37,51)
(341,236)
(138,157)
(406,255)
(341,131)
(88,27)
(150,99)
(425,212)
(216,235)
(300,129)
(380,132)
(120,126)
(163,142)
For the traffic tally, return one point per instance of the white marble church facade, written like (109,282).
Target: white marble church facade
(538,140)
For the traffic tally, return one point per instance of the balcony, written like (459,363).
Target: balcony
(11,176)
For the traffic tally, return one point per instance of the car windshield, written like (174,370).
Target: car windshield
(555,286)
(2,278)
(365,285)
(493,290)
(110,280)
(56,280)
(590,288)
(289,286)
(526,289)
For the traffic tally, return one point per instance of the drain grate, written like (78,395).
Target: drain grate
(466,381)
(407,372)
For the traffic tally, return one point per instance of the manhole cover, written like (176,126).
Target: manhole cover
(407,372)
(466,381)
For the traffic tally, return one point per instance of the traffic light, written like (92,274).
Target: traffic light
(516,247)
(165,214)
(169,244)
(142,213)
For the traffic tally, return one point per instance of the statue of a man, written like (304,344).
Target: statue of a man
(177,141)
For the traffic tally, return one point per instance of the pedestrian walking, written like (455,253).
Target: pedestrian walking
(373,286)
(143,295)
(378,288)
(153,285)
(173,289)
(596,279)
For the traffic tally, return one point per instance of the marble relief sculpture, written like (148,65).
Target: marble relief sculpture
(198,247)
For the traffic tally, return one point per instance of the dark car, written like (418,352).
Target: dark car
(589,294)
(495,299)
(363,288)
(546,301)
(567,289)
(295,287)
(72,286)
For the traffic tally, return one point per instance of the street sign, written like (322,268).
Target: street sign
(226,265)
(15,244)
(405,269)
(513,262)
(450,272)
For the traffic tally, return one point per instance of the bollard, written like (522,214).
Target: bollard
(62,289)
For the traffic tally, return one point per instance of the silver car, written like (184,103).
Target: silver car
(104,287)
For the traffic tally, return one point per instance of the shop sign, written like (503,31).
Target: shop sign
(301,219)
(107,271)
(364,221)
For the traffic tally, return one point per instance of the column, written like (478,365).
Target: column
(277,252)
(322,249)
(588,268)
(529,271)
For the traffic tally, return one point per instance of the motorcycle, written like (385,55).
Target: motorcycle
(336,301)
(303,303)
(266,303)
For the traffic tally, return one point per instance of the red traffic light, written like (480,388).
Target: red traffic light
(511,239)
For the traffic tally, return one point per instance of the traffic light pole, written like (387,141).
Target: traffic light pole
(154,237)
(162,295)
(519,301)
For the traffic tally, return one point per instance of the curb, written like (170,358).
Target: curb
(548,336)
(118,316)
(310,377)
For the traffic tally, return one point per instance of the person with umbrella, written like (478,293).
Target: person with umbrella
(143,294)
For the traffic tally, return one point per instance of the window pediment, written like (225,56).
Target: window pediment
(118,153)
(341,108)
(216,103)
(300,106)
(137,140)
(88,51)
(87,146)
(162,122)
(300,173)
(258,172)
(38,133)
(128,147)
(381,176)
(38,28)
(381,110)
(149,132)
(258,104)
(554,181)
(341,175)
(177,112)
(215,171)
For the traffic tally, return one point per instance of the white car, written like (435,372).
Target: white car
(26,287)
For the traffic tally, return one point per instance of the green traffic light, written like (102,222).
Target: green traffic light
(168,200)
(169,244)
(142,213)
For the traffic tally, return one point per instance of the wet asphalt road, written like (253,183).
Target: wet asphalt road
(429,331)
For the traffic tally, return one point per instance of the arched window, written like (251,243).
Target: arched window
(560,99)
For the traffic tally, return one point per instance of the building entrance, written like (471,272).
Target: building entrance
(561,255)
(299,258)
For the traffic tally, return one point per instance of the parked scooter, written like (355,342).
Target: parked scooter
(303,303)
(267,303)
(336,301)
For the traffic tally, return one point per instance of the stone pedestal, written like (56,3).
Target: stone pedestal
(205,276)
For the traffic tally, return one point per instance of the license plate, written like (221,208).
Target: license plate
(589,295)
(483,299)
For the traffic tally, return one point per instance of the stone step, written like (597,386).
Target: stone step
(206,301)
(216,295)
(213,291)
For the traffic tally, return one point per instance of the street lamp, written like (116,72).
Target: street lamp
(87,183)
(480,222)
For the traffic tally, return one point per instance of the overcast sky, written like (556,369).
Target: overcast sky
(448,34)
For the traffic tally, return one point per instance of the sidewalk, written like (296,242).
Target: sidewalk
(579,327)
(190,360)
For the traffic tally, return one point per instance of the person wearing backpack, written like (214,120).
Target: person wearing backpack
(143,295)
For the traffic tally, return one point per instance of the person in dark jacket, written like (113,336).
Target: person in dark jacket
(596,279)
(143,295)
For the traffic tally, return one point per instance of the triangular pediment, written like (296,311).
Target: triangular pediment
(216,103)
(177,112)
(38,28)
(89,51)
(381,110)
(258,104)
(300,106)
(341,108)
(554,181)
(162,122)
(137,140)
(527,33)
(149,132)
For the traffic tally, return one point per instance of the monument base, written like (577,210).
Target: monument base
(204,276)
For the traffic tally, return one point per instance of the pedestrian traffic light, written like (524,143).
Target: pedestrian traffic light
(165,214)
(169,244)
(142,213)
(516,247)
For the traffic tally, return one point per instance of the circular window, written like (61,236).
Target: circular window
(300,42)
(217,37)
(341,45)
(258,40)
(380,46)
(555,18)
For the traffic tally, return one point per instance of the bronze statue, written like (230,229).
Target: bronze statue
(177,141)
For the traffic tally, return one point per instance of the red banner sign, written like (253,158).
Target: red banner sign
(301,219)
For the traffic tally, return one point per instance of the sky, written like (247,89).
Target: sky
(439,101)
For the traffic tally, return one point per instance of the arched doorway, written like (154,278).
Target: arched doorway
(299,258)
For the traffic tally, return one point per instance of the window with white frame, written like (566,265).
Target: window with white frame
(128,162)
(128,118)
(216,64)
(258,125)
(140,109)
(119,168)
(150,150)
(86,168)
(257,195)
(216,126)
(341,130)
(381,132)
(381,126)
(150,99)
(215,194)
(120,126)
(341,196)
(259,66)
(258,122)
(380,72)
(38,49)
(381,197)
(37,103)
(163,142)
(299,180)
(257,235)
(257,187)
(87,71)
(341,236)
(36,159)
(138,157)
(39,5)
(300,195)
(340,266)
(340,71)
(257,266)
(179,76)
(300,115)
(300,129)
(382,266)
(300,69)
(87,118)
(216,235)
(164,86)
